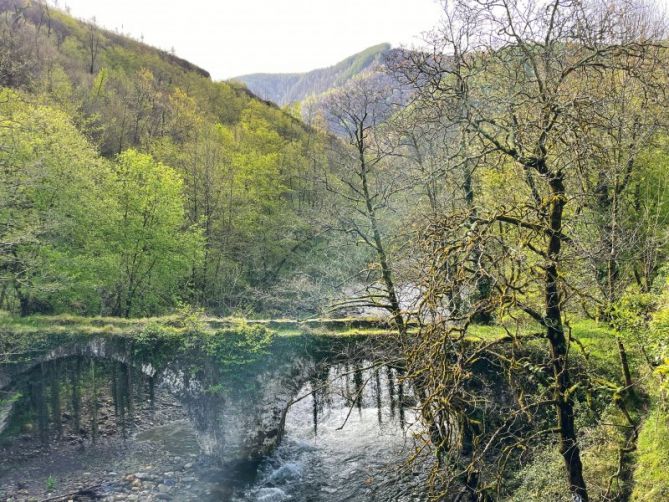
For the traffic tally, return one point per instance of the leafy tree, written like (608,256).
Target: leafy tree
(50,205)
(248,167)
(152,246)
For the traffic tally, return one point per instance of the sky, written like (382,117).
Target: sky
(235,37)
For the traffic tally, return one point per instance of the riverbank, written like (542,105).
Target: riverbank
(16,331)
(140,462)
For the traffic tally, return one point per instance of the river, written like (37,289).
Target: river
(101,428)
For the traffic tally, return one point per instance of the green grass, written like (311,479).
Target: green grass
(597,339)
(37,332)
(651,476)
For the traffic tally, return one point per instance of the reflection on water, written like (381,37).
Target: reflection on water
(80,398)
(346,436)
(177,437)
(346,441)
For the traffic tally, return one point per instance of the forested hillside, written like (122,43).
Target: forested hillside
(491,210)
(286,88)
(130,181)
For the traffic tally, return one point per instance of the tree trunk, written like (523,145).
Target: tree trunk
(624,363)
(24,304)
(469,430)
(128,306)
(483,286)
(394,307)
(24,301)
(558,342)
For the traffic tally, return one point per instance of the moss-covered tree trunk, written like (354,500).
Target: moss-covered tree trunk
(559,348)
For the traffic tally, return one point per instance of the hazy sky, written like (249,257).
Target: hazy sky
(234,37)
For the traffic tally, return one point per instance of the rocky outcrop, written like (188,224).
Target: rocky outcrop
(242,426)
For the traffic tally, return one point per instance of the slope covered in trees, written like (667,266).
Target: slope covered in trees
(509,217)
(287,88)
(130,181)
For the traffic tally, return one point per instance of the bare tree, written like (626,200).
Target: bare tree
(429,150)
(357,111)
(522,79)
(93,45)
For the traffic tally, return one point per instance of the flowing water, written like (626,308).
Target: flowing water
(347,441)
(104,429)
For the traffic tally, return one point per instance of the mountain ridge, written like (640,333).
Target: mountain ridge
(287,88)
(64,25)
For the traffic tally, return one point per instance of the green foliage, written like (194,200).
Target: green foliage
(157,343)
(233,211)
(50,483)
(51,201)
(542,478)
(658,337)
(238,351)
(151,249)
(190,319)
(651,476)
(633,311)
(82,234)
(238,346)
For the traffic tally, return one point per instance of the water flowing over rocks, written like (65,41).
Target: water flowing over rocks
(97,419)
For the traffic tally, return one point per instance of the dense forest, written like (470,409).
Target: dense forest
(134,182)
(498,197)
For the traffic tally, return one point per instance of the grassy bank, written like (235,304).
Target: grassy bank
(21,337)
(618,464)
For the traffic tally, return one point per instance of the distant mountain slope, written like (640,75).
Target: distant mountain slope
(43,17)
(286,88)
